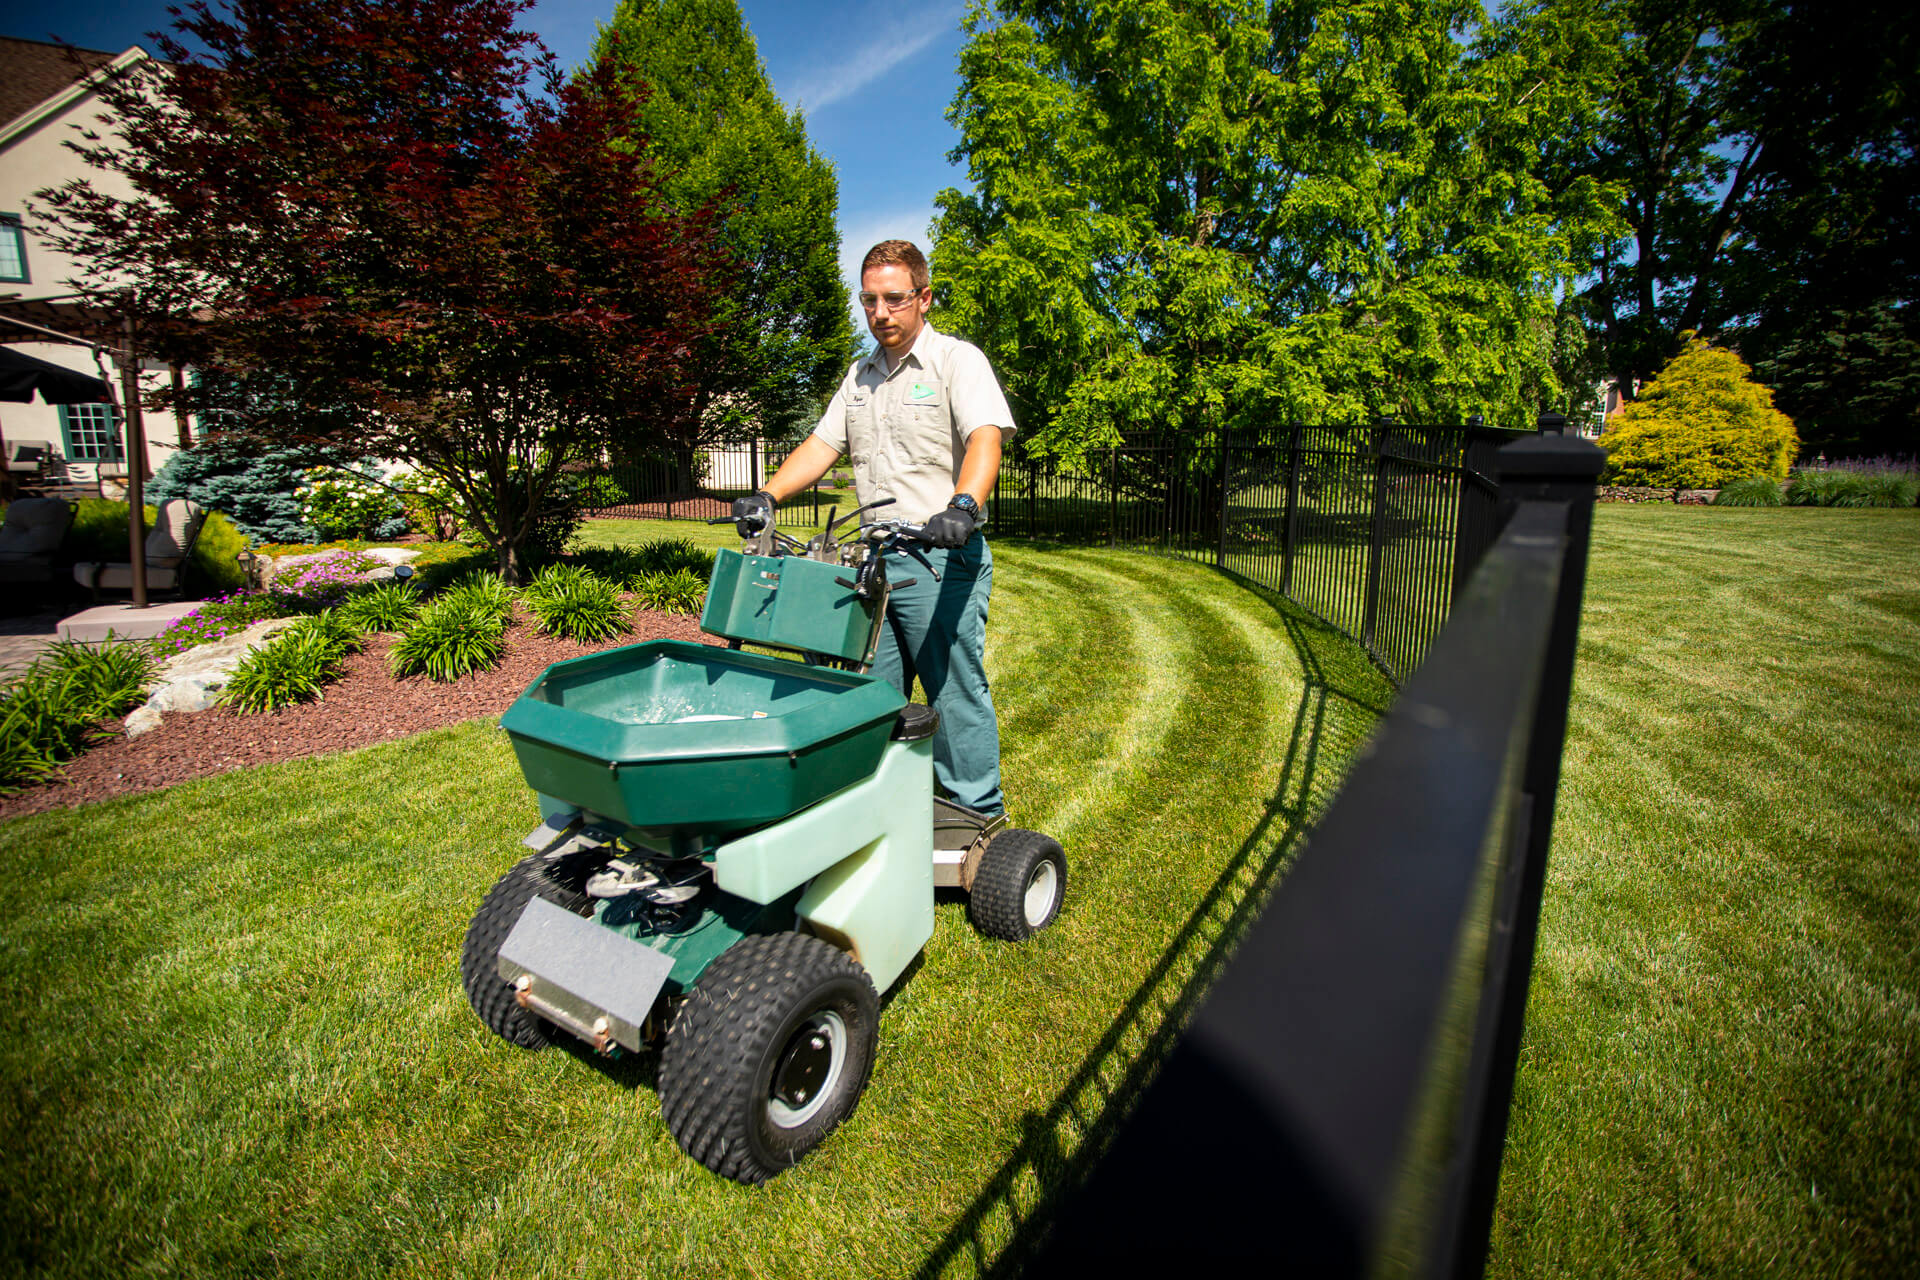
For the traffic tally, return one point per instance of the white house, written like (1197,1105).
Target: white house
(47,93)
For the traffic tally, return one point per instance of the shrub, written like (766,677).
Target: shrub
(573,602)
(292,667)
(682,591)
(349,503)
(388,606)
(51,712)
(1852,486)
(1754,491)
(454,636)
(255,488)
(1701,424)
(601,491)
(618,565)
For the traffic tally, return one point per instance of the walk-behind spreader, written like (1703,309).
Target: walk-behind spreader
(740,851)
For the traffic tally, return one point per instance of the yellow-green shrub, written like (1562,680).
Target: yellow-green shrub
(1701,424)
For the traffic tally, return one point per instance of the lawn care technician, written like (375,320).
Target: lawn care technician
(923,419)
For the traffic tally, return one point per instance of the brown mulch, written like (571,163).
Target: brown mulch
(365,705)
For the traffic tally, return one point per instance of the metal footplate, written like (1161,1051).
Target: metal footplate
(960,836)
(593,982)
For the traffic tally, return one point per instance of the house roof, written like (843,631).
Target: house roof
(32,71)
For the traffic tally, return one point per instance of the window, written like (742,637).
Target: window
(92,432)
(13,249)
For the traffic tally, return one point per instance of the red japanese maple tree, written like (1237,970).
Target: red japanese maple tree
(362,215)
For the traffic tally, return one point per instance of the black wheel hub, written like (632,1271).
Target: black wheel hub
(803,1066)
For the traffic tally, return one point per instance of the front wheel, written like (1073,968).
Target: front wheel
(769,1054)
(561,882)
(1018,886)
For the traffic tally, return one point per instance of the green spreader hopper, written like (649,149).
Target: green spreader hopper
(738,853)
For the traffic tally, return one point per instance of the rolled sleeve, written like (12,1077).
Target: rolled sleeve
(832,428)
(975,394)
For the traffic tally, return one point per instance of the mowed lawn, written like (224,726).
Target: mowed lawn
(1721,1072)
(235,1041)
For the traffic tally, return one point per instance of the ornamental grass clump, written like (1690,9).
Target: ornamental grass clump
(294,666)
(682,591)
(390,606)
(574,602)
(1754,491)
(670,555)
(1879,482)
(456,635)
(484,592)
(52,712)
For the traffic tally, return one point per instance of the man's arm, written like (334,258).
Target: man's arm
(813,459)
(980,468)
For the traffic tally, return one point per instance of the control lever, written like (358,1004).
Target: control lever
(833,524)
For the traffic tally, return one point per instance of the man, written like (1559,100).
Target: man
(923,420)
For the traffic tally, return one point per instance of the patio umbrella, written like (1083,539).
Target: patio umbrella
(21,375)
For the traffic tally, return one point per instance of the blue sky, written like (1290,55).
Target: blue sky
(873,78)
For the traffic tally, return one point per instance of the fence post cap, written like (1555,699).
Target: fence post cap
(1551,423)
(1551,458)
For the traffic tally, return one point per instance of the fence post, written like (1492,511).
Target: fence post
(1289,530)
(1226,445)
(1461,502)
(1545,468)
(1113,493)
(1033,502)
(1376,541)
(1551,424)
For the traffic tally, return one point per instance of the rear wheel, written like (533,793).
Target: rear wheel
(769,1054)
(1019,884)
(560,881)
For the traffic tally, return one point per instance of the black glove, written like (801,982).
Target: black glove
(949,528)
(753,513)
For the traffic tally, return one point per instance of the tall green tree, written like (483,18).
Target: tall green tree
(716,133)
(1766,153)
(1189,213)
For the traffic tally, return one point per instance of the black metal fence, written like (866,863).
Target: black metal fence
(1338,1104)
(1372,527)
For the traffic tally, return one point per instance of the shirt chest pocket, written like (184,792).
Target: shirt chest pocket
(860,426)
(926,423)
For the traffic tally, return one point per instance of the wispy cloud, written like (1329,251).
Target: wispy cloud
(841,75)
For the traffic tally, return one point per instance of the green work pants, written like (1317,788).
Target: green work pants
(937,632)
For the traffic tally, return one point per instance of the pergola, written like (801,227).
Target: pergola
(109,333)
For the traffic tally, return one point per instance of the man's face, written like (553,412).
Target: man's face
(894,328)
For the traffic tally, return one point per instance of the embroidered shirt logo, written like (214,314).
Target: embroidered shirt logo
(920,391)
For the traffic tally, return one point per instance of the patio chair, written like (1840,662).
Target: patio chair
(31,536)
(167,550)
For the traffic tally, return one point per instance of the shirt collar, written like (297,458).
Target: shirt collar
(878,359)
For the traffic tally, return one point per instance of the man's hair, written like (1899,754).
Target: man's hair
(899,253)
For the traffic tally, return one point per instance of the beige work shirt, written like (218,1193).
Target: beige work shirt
(907,431)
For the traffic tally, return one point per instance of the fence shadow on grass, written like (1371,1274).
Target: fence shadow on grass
(1062,1145)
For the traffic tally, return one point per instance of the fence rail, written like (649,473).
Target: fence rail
(1338,1105)
(1373,527)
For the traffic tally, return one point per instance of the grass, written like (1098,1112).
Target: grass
(238,1043)
(1721,1072)
(246,1050)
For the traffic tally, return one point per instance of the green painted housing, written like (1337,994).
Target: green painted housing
(789,602)
(670,738)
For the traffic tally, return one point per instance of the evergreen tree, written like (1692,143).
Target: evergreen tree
(1701,424)
(1188,212)
(718,136)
